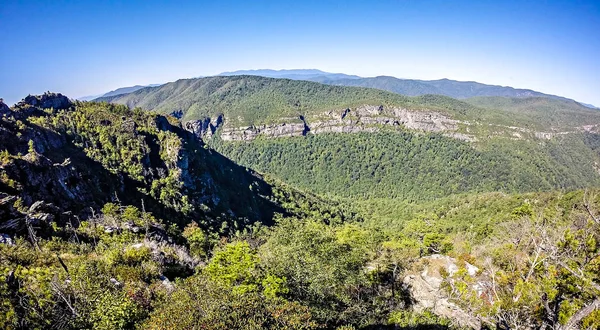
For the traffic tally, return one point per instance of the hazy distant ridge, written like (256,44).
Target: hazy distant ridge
(409,87)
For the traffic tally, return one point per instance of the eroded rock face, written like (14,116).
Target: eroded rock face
(274,130)
(366,118)
(205,127)
(39,215)
(425,287)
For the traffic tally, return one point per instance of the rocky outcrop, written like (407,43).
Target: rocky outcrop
(4,109)
(33,105)
(39,215)
(205,127)
(366,118)
(47,100)
(425,287)
(6,239)
(293,127)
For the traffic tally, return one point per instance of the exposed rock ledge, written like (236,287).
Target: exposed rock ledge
(425,287)
(366,118)
(205,127)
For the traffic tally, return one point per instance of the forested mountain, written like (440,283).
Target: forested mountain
(412,166)
(408,147)
(551,112)
(126,90)
(252,100)
(408,87)
(79,156)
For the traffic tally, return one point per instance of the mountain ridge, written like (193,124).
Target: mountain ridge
(248,105)
(408,87)
(118,91)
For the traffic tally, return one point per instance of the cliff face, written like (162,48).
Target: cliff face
(366,118)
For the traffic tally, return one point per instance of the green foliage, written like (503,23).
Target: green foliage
(274,286)
(110,209)
(325,263)
(198,303)
(414,166)
(115,311)
(423,320)
(234,265)
(197,239)
(323,268)
(539,112)
(31,147)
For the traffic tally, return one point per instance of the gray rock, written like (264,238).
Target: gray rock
(426,289)
(6,239)
(48,100)
(366,118)
(204,128)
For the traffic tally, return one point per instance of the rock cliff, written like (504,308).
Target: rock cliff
(366,118)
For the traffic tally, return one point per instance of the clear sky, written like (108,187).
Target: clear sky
(90,47)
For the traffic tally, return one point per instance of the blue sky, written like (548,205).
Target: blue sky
(90,47)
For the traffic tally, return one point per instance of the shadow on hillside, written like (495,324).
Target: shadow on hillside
(66,177)
(83,185)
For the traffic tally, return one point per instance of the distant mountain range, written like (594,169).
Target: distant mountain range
(118,91)
(409,87)
(297,74)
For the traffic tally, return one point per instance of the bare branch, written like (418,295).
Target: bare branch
(581,314)
(59,292)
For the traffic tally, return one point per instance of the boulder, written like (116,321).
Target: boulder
(425,287)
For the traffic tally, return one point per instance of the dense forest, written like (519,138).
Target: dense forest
(412,166)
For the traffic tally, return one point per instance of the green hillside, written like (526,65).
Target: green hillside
(507,156)
(555,113)
(447,87)
(406,87)
(253,100)
(413,166)
(80,156)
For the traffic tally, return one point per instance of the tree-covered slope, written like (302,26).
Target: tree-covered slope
(447,87)
(413,166)
(406,87)
(554,113)
(255,100)
(252,101)
(80,156)
(113,218)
